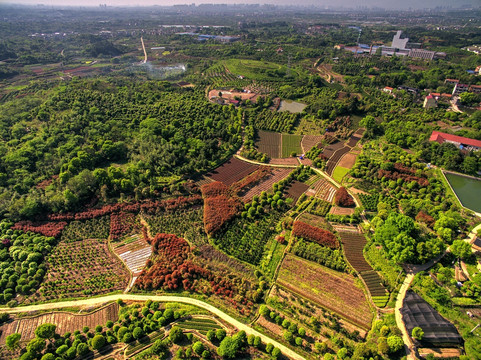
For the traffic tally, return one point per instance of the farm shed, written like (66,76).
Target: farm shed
(438,332)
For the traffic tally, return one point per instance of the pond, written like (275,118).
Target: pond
(292,106)
(467,189)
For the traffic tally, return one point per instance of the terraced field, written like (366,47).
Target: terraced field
(353,243)
(354,139)
(334,159)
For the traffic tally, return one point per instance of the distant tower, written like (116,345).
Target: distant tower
(289,65)
(359,36)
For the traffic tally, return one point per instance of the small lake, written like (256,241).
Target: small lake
(292,106)
(467,189)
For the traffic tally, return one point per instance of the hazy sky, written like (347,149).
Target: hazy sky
(346,3)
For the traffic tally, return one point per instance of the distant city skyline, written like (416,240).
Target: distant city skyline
(388,4)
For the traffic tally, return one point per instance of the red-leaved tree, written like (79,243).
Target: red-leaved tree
(342,198)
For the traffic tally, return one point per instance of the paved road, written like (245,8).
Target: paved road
(410,351)
(163,298)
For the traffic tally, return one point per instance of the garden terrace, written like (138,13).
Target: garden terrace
(270,120)
(81,268)
(232,171)
(251,180)
(122,224)
(174,267)
(149,206)
(45,228)
(328,288)
(317,221)
(89,229)
(65,322)
(210,256)
(245,239)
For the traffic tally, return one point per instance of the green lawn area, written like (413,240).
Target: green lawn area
(339,173)
(253,69)
(291,143)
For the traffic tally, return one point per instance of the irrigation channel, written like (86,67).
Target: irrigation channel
(162,298)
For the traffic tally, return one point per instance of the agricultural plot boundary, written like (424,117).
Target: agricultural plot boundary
(353,245)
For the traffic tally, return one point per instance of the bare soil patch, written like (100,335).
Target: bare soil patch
(337,210)
(287,161)
(348,161)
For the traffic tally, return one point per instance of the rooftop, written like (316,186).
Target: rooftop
(442,137)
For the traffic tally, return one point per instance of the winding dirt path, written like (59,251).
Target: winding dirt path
(162,298)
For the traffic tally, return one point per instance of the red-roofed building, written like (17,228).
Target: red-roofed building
(388,89)
(451,81)
(461,142)
(430,102)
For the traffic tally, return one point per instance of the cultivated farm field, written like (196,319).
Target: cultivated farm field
(266,184)
(291,144)
(295,190)
(79,269)
(188,224)
(309,141)
(232,171)
(65,321)
(269,143)
(330,289)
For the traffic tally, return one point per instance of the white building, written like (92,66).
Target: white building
(399,43)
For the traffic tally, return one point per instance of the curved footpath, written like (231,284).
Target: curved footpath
(162,298)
